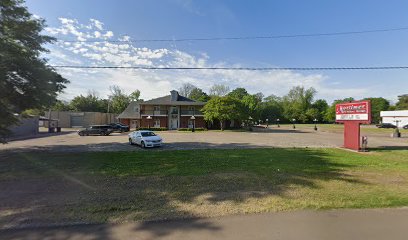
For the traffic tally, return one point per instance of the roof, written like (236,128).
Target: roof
(129,112)
(402,113)
(166,100)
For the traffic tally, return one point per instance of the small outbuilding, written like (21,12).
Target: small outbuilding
(397,118)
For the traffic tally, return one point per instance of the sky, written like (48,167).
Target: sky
(98,20)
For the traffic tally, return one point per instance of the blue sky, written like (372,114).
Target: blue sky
(175,19)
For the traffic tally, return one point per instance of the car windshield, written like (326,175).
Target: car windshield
(148,134)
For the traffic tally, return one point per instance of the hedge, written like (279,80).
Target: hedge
(154,129)
(190,129)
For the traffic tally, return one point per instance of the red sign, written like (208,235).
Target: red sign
(354,111)
(352,114)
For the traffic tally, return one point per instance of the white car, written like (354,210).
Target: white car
(145,139)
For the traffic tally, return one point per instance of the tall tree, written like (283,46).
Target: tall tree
(199,95)
(222,109)
(272,108)
(186,89)
(402,103)
(297,102)
(320,107)
(219,90)
(378,104)
(135,96)
(330,115)
(88,103)
(238,93)
(26,81)
(118,99)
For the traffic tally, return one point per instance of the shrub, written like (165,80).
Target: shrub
(189,129)
(154,129)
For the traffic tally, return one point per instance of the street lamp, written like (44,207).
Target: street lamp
(267,124)
(148,121)
(315,126)
(278,122)
(293,121)
(193,118)
(397,132)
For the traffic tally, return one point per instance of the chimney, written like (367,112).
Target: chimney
(174,95)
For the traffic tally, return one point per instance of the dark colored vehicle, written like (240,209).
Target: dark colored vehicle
(103,130)
(119,127)
(405,127)
(386,125)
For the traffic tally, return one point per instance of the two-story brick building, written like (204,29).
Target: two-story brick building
(172,112)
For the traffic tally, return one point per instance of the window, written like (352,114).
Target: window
(157,123)
(156,108)
(191,108)
(190,123)
(136,109)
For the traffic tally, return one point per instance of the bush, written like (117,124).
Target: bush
(154,129)
(189,129)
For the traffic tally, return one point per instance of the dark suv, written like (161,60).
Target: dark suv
(119,127)
(103,130)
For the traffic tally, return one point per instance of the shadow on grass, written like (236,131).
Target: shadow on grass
(42,188)
(388,148)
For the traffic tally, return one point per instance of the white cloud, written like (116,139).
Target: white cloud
(159,82)
(97,24)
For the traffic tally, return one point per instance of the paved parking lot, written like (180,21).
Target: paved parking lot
(283,137)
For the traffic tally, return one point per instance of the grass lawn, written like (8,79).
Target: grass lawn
(149,185)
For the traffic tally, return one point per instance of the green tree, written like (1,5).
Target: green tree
(135,96)
(118,99)
(330,115)
(222,109)
(271,108)
(238,93)
(88,103)
(61,106)
(321,107)
(251,107)
(297,102)
(402,103)
(378,104)
(198,94)
(26,81)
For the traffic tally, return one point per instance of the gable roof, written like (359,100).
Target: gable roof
(167,100)
(129,112)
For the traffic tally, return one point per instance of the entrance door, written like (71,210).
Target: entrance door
(174,122)
(134,124)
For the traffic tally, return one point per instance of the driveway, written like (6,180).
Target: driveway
(283,137)
(373,224)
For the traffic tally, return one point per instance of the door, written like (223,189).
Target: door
(174,122)
(77,121)
(134,124)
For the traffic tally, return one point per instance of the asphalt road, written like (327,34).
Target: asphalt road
(283,137)
(373,224)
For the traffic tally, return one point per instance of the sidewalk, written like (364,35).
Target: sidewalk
(370,224)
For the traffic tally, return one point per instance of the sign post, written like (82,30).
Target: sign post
(352,114)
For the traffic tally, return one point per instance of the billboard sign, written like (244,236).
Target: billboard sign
(354,111)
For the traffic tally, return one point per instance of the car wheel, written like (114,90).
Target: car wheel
(142,144)
(103,133)
(121,131)
(81,134)
(130,141)
(87,134)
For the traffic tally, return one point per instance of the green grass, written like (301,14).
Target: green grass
(118,186)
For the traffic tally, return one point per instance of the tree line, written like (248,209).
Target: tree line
(299,104)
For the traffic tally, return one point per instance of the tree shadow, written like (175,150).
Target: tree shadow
(51,187)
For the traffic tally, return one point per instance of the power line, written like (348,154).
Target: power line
(237,68)
(248,37)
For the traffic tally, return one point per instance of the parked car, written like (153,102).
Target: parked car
(119,127)
(386,125)
(145,139)
(103,130)
(405,126)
